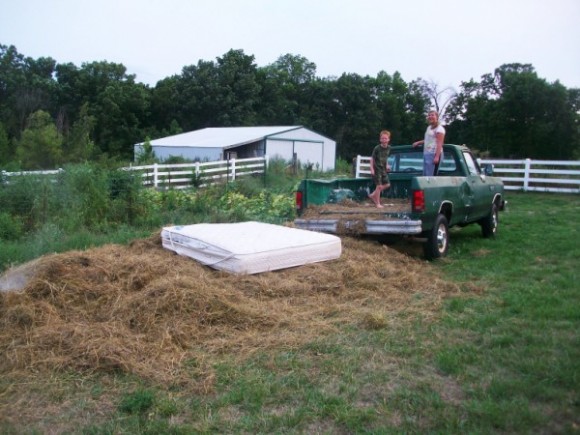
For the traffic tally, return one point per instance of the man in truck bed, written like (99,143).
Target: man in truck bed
(432,144)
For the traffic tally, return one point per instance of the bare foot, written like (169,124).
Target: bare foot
(380,206)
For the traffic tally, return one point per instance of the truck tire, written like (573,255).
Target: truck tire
(490,222)
(437,243)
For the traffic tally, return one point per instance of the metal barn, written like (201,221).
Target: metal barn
(221,143)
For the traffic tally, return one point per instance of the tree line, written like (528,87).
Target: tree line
(52,114)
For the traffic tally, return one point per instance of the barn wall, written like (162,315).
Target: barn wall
(310,146)
(308,139)
(310,153)
(281,149)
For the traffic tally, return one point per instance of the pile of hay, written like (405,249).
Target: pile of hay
(143,310)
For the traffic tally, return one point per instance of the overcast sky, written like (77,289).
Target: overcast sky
(444,41)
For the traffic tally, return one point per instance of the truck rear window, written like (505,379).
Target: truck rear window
(409,161)
(412,162)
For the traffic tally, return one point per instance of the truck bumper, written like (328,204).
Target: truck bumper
(338,226)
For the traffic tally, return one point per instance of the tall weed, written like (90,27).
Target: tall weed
(27,199)
(83,196)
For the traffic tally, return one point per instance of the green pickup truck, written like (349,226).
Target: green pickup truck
(424,208)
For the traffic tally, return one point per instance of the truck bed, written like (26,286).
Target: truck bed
(358,210)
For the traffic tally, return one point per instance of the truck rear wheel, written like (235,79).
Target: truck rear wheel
(490,222)
(437,243)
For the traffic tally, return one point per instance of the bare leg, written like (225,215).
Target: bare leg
(376,195)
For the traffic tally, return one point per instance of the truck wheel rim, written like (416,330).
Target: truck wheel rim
(441,238)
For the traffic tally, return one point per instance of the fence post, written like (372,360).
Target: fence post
(155,175)
(527,174)
(233,169)
(265,169)
(357,171)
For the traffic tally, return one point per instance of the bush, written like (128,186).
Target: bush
(83,196)
(125,202)
(10,227)
(27,199)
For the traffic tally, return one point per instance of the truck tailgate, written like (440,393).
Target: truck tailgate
(360,218)
(358,226)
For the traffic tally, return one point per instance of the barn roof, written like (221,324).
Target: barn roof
(221,137)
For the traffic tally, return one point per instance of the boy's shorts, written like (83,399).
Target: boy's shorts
(381,179)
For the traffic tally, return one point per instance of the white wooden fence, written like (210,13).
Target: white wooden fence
(538,175)
(181,175)
(527,175)
(5,174)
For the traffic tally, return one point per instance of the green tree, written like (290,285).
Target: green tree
(166,108)
(78,145)
(238,80)
(221,93)
(40,146)
(6,152)
(26,85)
(198,96)
(402,106)
(515,114)
(119,111)
(319,110)
(117,105)
(284,84)
(358,119)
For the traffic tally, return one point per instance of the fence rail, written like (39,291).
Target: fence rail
(538,175)
(561,176)
(181,175)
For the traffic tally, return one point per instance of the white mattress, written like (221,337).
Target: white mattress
(250,247)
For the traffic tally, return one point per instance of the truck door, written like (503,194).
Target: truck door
(467,195)
(477,190)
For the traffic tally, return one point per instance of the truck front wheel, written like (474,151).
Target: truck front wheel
(490,222)
(437,243)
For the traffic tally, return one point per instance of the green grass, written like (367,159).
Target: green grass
(514,344)
(503,357)
(51,238)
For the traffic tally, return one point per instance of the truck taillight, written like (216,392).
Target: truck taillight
(418,204)
(299,201)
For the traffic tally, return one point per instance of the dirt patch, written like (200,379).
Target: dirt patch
(143,310)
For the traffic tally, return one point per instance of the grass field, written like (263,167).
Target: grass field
(502,355)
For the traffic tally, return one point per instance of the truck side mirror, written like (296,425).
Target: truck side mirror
(487,169)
